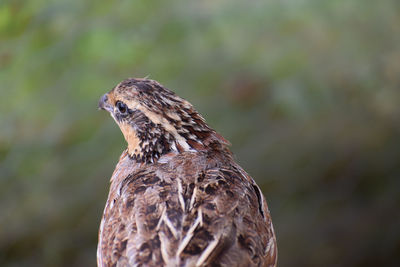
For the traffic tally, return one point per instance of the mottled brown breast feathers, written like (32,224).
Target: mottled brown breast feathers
(193,210)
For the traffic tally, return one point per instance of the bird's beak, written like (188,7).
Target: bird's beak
(104,104)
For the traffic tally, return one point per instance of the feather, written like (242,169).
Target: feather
(181,199)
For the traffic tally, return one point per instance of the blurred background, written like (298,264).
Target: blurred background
(307,91)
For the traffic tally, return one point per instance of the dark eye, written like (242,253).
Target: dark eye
(122,107)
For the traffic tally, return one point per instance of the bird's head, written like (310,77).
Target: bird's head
(155,121)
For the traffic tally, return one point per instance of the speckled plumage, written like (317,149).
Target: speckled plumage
(177,197)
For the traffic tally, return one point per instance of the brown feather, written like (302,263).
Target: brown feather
(193,206)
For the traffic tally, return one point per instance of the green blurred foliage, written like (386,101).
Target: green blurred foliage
(307,91)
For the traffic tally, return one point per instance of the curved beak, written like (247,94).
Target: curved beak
(104,104)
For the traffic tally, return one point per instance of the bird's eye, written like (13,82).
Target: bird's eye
(121,107)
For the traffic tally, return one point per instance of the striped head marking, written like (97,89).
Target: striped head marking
(155,121)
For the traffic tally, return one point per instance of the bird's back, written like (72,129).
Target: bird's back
(188,209)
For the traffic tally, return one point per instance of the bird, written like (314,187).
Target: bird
(177,197)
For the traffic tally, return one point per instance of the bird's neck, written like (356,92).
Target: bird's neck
(150,135)
(148,146)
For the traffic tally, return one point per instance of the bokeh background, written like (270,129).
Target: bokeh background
(307,91)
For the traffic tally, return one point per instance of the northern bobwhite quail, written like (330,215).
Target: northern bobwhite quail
(177,197)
